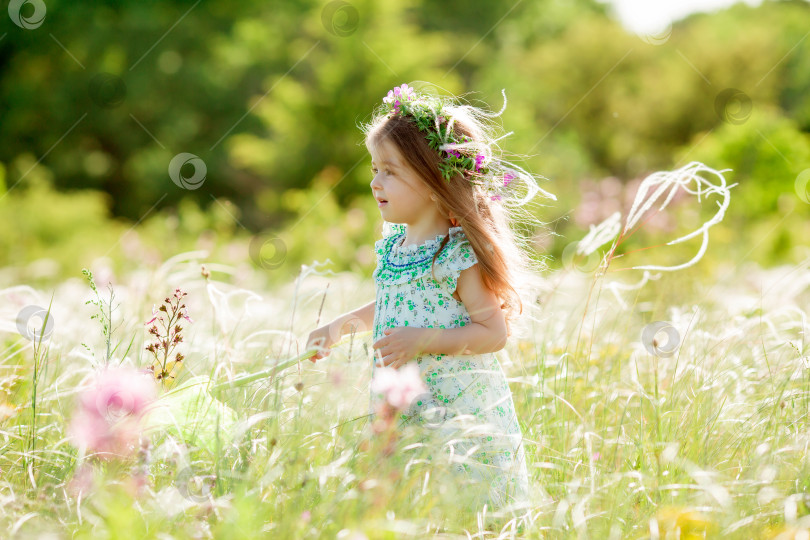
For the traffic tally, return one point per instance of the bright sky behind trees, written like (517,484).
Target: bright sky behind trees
(652,15)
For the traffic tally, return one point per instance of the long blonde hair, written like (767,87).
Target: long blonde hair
(489,225)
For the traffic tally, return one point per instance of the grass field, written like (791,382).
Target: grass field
(704,439)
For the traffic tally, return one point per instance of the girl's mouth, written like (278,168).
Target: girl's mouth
(380,204)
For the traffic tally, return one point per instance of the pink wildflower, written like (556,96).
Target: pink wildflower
(398,386)
(155,313)
(167,337)
(109,411)
(404,92)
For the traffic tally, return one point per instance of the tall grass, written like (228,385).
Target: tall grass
(622,443)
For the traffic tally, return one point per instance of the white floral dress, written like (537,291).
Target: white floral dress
(469,400)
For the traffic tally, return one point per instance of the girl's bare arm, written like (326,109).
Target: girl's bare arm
(487,331)
(359,320)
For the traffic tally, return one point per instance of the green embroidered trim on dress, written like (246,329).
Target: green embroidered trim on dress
(412,262)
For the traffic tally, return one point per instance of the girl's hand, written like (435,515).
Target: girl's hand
(399,346)
(323,338)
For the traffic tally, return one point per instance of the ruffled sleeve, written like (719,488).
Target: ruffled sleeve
(458,255)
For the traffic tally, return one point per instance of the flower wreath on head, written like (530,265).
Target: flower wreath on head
(460,154)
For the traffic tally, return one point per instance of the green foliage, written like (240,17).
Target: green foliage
(314,239)
(190,413)
(104,317)
(47,234)
(766,153)
(272,112)
(56,231)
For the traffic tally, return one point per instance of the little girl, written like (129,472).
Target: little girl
(447,278)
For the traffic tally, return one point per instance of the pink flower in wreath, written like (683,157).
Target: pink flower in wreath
(403,92)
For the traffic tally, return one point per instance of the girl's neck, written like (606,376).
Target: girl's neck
(417,235)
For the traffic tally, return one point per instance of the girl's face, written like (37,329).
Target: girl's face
(407,197)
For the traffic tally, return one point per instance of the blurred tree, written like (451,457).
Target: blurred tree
(766,154)
(269,95)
